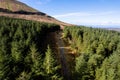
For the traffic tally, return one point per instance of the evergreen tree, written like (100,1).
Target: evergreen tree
(50,66)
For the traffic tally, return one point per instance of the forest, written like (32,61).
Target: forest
(24,52)
(97,53)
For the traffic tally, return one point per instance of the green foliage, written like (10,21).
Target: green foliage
(102,48)
(22,49)
(50,66)
(81,67)
(48,62)
(24,76)
(110,68)
(37,61)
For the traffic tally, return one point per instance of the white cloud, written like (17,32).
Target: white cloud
(83,14)
(72,14)
(91,18)
(40,2)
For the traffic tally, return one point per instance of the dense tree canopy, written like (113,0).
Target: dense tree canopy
(98,53)
(26,55)
(23,50)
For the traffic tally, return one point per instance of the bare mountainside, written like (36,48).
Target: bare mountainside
(15,5)
(16,9)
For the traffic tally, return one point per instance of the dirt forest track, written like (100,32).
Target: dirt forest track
(62,51)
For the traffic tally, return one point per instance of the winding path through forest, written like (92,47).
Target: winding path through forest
(62,52)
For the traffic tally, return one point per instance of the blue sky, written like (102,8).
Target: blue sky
(81,12)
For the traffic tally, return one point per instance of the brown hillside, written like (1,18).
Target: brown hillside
(15,5)
(16,9)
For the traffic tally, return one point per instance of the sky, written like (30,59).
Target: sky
(80,12)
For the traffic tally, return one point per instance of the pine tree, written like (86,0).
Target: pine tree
(49,61)
(50,66)
(81,70)
(36,60)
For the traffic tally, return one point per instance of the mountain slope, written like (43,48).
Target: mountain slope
(16,9)
(15,5)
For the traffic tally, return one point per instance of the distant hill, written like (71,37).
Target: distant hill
(15,5)
(16,9)
(114,29)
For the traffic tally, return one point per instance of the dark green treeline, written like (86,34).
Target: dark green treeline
(97,53)
(24,54)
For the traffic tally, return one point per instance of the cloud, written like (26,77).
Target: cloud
(78,14)
(91,18)
(40,2)
(72,14)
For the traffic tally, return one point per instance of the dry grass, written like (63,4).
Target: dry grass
(14,5)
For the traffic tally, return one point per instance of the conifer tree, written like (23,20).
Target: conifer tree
(50,66)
